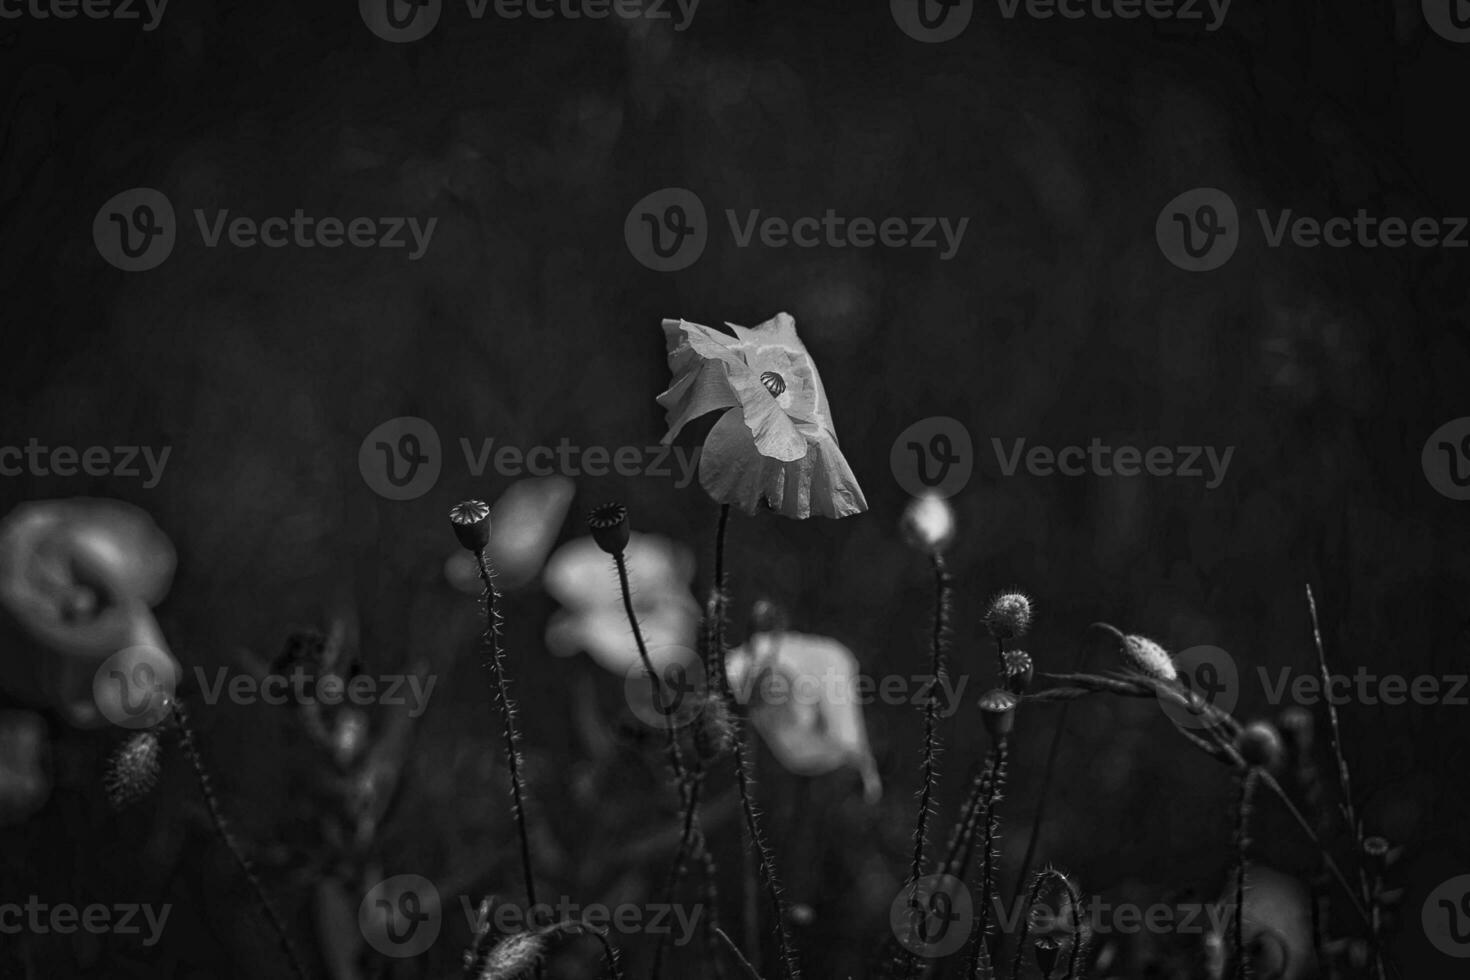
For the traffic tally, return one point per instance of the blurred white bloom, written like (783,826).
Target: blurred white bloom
(527,519)
(583,578)
(804,700)
(928,524)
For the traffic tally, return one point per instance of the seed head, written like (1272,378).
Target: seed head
(998,712)
(609,527)
(471,522)
(928,524)
(1017,671)
(132,770)
(1009,615)
(1260,745)
(1150,658)
(1046,954)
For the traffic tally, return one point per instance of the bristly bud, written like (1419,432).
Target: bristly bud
(609,527)
(1260,746)
(132,770)
(1008,616)
(928,524)
(768,616)
(998,711)
(1150,658)
(1017,671)
(471,522)
(514,957)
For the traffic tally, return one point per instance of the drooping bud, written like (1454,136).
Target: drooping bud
(1260,745)
(1147,656)
(1009,615)
(471,522)
(1017,671)
(998,712)
(514,957)
(609,527)
(928,524)
(132,770)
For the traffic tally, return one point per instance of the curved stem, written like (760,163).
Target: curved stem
(217,818)
(987,859)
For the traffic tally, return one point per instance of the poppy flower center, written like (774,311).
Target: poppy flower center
(774,383)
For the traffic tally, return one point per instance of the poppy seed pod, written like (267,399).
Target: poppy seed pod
(1017,671)
(609,527)
(928,524)
(471,522)
(1147,656)
(1008,616)
(1260,745)
(998,711)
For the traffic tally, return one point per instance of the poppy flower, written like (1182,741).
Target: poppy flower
(803,696)
(79,576)
(775,444)
(580,576)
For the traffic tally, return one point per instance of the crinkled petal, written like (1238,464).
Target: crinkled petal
(701,363)
(733,471)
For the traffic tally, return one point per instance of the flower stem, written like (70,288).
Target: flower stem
(676,760)
(987,858)
(1243,969)
(507,715)
(216,817)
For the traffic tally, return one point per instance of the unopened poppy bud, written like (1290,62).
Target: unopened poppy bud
(471,522)
(1147,656)
(132,770)
(1260,745)
(998,712)
(1046,949)
(1008,616)
(514,957)
(1017,671)
(609,527)
(928,524)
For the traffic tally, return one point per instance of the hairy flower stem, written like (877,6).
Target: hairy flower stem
(720,682)
(1075,900)
(221,828)
(1243,969)
(987,858)
(937,644)
(491,600)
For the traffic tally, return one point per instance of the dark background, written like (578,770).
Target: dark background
(529,321)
